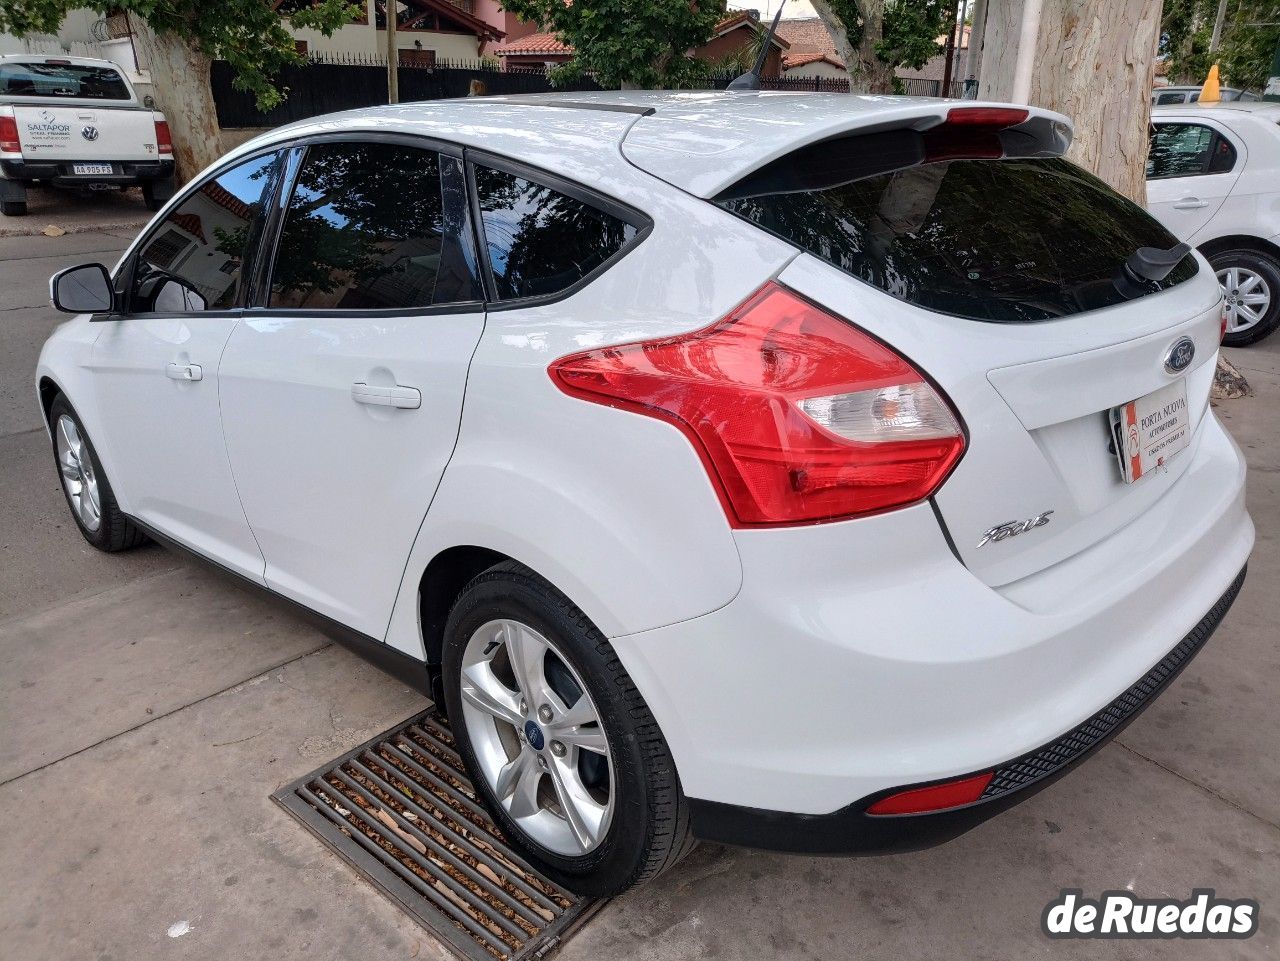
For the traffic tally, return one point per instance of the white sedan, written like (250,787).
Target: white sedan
(1213,178)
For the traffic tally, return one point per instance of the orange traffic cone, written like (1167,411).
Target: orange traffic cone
(1210,93)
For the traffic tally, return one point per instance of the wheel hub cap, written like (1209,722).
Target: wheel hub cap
(537,737)
(79,479)
(1247,295)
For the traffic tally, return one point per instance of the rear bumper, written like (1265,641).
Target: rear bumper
(861,659)
(852,830)
(59,172)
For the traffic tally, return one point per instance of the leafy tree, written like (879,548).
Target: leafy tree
(876,37)
(1250,34)
(181,39)
(626,43)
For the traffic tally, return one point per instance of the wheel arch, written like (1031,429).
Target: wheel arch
(441,583)
(1236,242)
(49,390)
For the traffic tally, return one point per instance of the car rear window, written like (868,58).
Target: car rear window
(61,81)
(1008,241)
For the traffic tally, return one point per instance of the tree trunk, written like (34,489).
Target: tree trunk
(180,75)
(1094,60)
(867,73)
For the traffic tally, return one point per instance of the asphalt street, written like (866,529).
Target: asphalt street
(147,710)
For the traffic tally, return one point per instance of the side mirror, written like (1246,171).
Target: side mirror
(82,290)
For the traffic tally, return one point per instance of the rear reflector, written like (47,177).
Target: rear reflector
(9,142)
(164,140)
(798,416)
(936,797)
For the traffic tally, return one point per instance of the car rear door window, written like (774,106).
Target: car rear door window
(194,260)
(541,241)
(1011,240)
(61,81)
(371,226)
(1187,150)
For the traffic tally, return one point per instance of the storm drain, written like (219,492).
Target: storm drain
(401,811)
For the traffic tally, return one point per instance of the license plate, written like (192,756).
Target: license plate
(1151,429)
(92,169)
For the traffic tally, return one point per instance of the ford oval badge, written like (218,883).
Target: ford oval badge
(1180,355)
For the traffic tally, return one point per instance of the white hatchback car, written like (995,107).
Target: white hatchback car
(816,473)
(1213,178)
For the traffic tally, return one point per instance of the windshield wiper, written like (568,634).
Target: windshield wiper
(1147,265)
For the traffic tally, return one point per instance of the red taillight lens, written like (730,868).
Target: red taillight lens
(971,133)
(936,797)
(798,416)
(9,142)
(164,139)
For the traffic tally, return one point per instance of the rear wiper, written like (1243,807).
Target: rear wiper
(1147,265)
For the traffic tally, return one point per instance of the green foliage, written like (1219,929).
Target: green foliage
(911,28)
(1250,33)
(641,43)
(247,33)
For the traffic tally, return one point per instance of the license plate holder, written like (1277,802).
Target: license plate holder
(81,170)
(1151,429)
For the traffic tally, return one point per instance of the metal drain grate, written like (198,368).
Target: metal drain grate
(401,811)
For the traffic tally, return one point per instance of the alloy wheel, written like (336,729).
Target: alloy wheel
(537,737)
(1248,297)
(78,476)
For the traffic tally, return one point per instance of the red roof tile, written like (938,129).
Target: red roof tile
(807,36)
(793,60)
(534,43)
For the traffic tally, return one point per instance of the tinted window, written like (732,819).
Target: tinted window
(1180,150)
(1166,98)
(195,259)
(60,81)
(368,228)
(999,240)
(539,240)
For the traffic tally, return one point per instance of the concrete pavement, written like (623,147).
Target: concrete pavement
(147,711)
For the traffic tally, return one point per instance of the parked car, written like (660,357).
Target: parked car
(1162,96)
(813,472)
(76,123)
(1213,178)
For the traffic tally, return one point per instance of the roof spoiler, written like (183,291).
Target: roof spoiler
(987,132)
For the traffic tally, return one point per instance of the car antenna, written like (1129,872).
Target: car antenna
(751,79)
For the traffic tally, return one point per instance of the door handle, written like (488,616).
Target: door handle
(406,398)
(1190,203)
(184,371)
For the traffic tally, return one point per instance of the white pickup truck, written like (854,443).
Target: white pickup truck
(76,123)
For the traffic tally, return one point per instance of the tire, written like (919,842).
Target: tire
(1255,264)
(648,823)
(13,208)
(113,531)
(156,195)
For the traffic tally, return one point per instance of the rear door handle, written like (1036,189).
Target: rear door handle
(406,398)
(1190,203)
(184,371)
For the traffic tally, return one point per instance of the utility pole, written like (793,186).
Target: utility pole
(393,55)
(1217,27)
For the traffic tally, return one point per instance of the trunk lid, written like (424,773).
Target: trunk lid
(85,132)
(1035,402)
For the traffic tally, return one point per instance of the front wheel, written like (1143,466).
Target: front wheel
(13,208)
(558,741)
(85,485)
(1250,282)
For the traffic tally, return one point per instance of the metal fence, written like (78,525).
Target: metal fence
(346,82)
(331,82)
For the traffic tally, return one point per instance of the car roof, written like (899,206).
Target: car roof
(58,59)
(1264,109)
(699,141)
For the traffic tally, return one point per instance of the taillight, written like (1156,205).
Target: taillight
(798,416)
(164,139)
(9,142)
(971,133)
(935,797)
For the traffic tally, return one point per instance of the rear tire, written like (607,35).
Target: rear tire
(648,821)
(13,208)
(85,486)
(155,194)
(1261,270)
